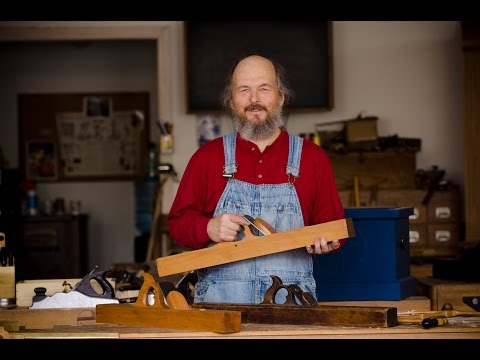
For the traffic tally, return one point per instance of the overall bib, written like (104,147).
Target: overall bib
(246,281)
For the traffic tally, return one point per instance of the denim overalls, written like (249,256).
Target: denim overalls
(246,281)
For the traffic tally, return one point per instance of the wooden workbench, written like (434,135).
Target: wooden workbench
(460,328)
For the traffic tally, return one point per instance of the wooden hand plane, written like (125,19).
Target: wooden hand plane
(171,311)
(301,308)
(253,246)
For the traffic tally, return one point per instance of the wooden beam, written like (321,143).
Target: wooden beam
(253,246)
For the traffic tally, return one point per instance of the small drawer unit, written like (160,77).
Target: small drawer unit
(53,247)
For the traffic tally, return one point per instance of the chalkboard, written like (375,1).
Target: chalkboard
(304,49)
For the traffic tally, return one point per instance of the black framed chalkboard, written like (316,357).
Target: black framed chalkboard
(303,48)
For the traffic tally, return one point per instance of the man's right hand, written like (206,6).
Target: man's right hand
(225,227)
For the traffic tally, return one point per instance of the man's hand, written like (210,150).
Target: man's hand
(225,227)
(321,246)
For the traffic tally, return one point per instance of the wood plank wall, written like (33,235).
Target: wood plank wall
(471,52)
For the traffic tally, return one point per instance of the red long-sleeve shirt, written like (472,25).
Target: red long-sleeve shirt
(202,185)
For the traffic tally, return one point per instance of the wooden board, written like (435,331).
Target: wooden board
(253,246)
(7,282)
(255,331)
(323,315)
(48,318)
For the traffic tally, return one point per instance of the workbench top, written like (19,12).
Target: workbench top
(461,328)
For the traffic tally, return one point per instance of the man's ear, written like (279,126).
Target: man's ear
(282,99)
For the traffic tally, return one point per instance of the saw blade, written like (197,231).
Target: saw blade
(72,299)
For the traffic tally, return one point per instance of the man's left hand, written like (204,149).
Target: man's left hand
(321,246)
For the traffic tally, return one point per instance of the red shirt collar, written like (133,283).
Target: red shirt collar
(246,145)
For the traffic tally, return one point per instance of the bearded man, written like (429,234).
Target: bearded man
(258,171)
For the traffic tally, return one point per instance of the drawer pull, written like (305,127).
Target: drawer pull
(414,236)
(414,216)
(442,235)
(442,212)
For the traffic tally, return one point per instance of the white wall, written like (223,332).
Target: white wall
(409,74)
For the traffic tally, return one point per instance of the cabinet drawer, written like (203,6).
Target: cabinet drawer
(444,207)
(418,235)
(36,236)
(443,235)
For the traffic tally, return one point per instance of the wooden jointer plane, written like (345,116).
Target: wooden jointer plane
(301,308)
(171,311)
(253,246)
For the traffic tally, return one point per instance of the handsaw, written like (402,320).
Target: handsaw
(254,246)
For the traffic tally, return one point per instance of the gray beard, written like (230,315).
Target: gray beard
(258,131)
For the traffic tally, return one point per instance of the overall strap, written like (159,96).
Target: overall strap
(294,155)
(230,166)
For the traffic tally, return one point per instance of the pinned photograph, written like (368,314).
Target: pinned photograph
(41,160)
(97,106)
(208,128)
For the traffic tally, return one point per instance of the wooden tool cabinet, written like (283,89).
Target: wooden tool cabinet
(434,228)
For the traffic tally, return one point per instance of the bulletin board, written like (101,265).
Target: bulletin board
(83,136)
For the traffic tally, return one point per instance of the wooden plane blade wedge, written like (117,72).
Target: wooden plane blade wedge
(253,246)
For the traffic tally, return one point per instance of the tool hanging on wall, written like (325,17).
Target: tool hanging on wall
(170,173)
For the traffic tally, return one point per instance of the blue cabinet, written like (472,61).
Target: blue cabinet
(373,265)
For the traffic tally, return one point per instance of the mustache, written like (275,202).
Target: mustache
(253,107)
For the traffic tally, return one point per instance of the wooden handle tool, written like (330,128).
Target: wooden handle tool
(253,246)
